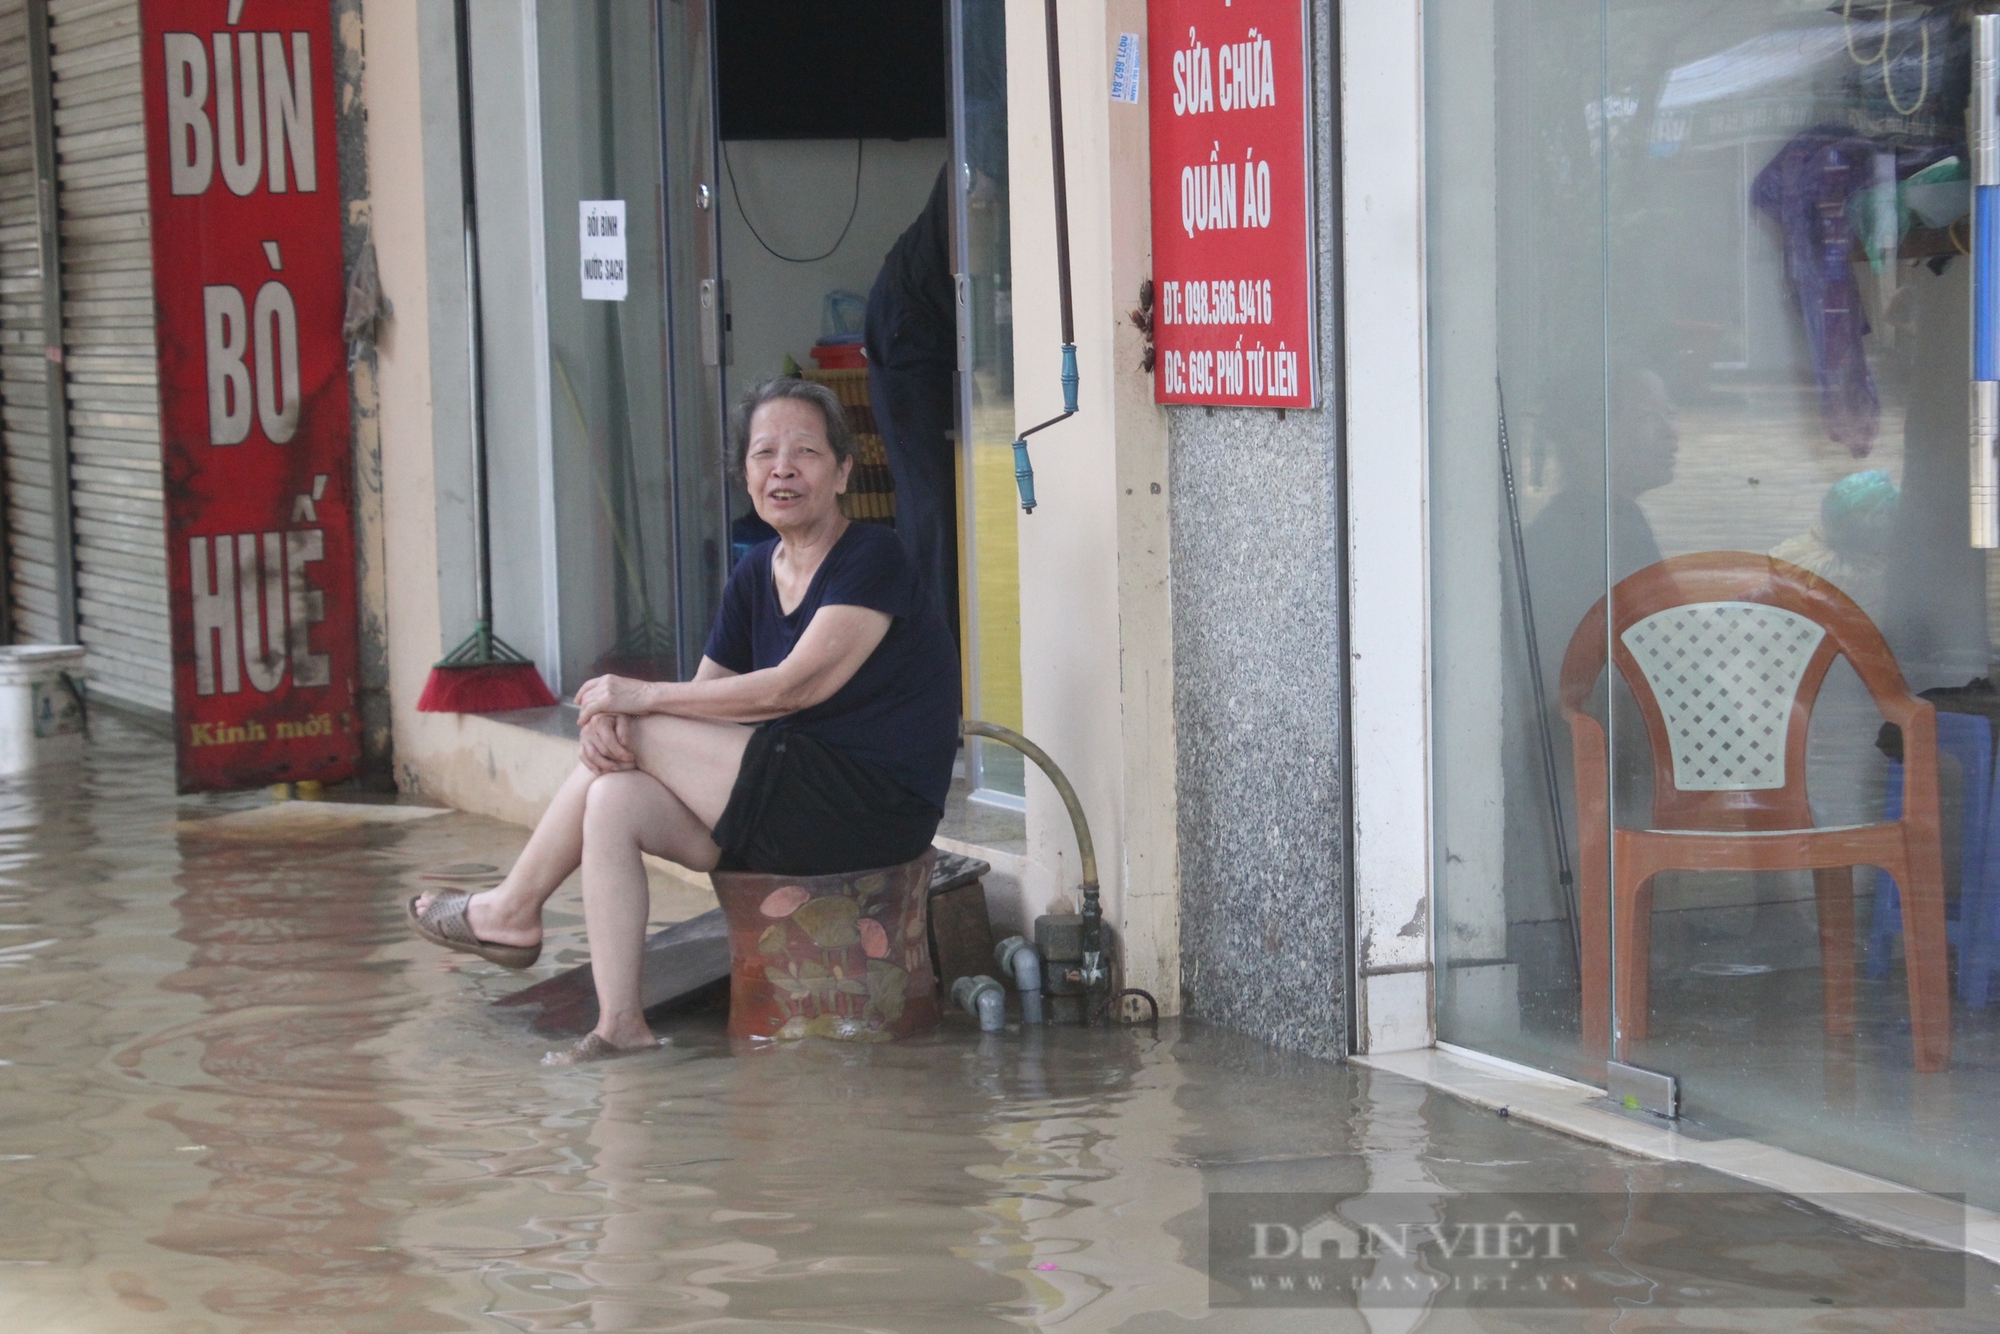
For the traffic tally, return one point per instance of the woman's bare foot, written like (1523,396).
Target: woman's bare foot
(495,917)
(627,1032)
(596,1047)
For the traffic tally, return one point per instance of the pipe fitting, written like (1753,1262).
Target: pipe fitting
(1017,959)
(1095,966)
(981,996)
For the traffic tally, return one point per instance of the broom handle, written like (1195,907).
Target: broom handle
(1024,471)
(482,562)
(1061,175)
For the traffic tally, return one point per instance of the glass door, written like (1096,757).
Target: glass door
(1713,637)
(697,318)
(1787,376)
(626,148)
(989,594)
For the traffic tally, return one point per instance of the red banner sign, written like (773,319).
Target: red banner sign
(245,191)
(1233,264)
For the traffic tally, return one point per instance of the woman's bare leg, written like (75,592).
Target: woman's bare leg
(666,807)
(626,814)
(694,759)
(511,912)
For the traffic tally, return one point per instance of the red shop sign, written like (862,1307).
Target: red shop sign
(245,192)
(1233,271)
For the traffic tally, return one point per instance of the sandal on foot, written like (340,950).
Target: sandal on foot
(444,923)
(590,1047)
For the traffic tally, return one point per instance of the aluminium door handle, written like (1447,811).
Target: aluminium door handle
(714,341)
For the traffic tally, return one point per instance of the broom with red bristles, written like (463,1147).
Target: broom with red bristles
(481,675)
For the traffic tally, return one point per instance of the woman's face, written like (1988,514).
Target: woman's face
(793,476)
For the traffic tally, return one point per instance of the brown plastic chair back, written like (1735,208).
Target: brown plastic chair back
(1724,653)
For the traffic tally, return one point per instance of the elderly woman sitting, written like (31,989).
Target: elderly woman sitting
(816,738)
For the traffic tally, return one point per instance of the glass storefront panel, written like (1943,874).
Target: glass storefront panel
(990,572)
(641,501)
(697,333)
(1515,252)
(1714,278)
(600,104)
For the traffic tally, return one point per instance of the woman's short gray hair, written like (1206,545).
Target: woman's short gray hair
(839,434)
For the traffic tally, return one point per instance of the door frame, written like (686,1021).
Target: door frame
(698,429)
(1383,393)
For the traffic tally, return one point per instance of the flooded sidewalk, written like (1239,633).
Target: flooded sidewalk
(238,1095)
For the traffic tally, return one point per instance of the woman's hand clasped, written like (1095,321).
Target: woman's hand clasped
(606,704)
(604,744)
(610,694)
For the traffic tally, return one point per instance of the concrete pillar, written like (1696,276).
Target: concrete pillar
(1096,630)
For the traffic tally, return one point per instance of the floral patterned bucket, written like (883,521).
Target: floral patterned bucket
(830,956)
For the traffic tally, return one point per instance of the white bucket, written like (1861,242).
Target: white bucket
(41,705)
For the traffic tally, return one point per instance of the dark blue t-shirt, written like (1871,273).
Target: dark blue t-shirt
(899,712)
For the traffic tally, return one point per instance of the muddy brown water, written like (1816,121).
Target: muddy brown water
(238,1096)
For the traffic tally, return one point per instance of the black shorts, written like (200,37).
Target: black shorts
(802,807)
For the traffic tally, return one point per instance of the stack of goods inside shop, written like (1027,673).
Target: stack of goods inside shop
(871,492)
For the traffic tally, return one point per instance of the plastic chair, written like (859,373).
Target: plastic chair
(1725,652)
(1967,738)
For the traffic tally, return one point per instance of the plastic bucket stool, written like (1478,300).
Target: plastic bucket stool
(42,709)
(845,957)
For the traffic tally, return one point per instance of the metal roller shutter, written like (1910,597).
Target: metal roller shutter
(23,402)
(109,351)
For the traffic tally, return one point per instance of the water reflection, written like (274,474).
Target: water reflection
(814,1184)
(241,1098)
(287,1115)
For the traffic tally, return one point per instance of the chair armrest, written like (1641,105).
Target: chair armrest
(1917,718)
(1902,707)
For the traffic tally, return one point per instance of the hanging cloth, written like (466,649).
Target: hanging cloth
(1805,189)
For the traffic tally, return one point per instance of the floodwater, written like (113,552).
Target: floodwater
(238,1096)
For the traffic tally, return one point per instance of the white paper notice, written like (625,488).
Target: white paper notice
(601,231)
(1125,69)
